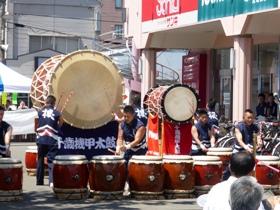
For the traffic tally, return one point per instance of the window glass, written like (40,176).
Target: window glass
(118,4)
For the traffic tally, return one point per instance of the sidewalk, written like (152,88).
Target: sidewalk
(41,197)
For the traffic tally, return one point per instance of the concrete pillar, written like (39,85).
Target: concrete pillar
(242,76)
(148,70)
(135,61)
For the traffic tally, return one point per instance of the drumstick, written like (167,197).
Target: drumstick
(110,150)
(59,100)
(66,102)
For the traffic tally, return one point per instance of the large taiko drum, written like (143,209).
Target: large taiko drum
(70,177)
(208,172)
(146,176)
(11,175)
(95,81)
(179,175)
(31,156)
(177,103)
(107,176)
(268,178)
(223,153)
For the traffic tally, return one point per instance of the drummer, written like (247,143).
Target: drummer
(133,132)
(212,115)
(202,135)
(5,139)
(49,120)
(244,137)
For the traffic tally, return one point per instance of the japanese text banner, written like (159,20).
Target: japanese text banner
(177,139)
(88,142)
(153,147)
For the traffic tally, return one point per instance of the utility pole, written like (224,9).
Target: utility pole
(2,30)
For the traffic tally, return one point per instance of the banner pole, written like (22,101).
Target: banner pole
(162,138)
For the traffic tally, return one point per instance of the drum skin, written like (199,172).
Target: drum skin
(179,174)
(177,103)
(146,176)
(11,174)
(223,153)
(70,173)
(207,170)
(265,175)
(107,175)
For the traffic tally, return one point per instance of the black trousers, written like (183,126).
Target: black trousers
(50,151)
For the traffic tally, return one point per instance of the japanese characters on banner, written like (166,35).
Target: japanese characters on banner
(88,142)
(177,139)
(153,146)
(163,14)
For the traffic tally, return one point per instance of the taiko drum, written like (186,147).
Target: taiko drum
(31,156)
(223,153)
(107,174)
(70,176)
(179,174)
(146,175)
(267,177)
(208,171)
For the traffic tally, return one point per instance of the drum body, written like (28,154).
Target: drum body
(179,174)
(31,156)
(107,176)
(90,78)
(177,103)
(11,175)
(266,176)
(208,172)
(70,177)
(223,153)
(146,175)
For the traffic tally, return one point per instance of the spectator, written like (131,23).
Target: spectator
(245,194)
(7,105)
(271,107)
(261,109)
(22,105)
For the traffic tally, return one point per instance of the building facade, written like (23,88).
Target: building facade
(213,28)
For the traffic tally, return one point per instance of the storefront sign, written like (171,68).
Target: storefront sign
(162,14)
(212,9)
(194,74)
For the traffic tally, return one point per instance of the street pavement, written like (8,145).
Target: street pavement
(41,197)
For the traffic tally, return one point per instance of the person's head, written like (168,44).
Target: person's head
(211,104)
(128,114)
(136,99)
(245,194)
(2,109)
(270,98)
(22,104)
(202,116)
(241,164)
(248,117)
(261,98)
(50,100)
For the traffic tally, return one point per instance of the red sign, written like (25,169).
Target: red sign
(194,74)
(155,9)
(153,147)
(177,139)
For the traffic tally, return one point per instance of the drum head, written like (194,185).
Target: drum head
(9,161)
(70,157)
(179,103)
(107,157)
(97,88)
(219,149)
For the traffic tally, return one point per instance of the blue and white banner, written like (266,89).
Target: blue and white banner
(88,142)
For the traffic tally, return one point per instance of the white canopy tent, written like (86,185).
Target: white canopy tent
(13,82)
